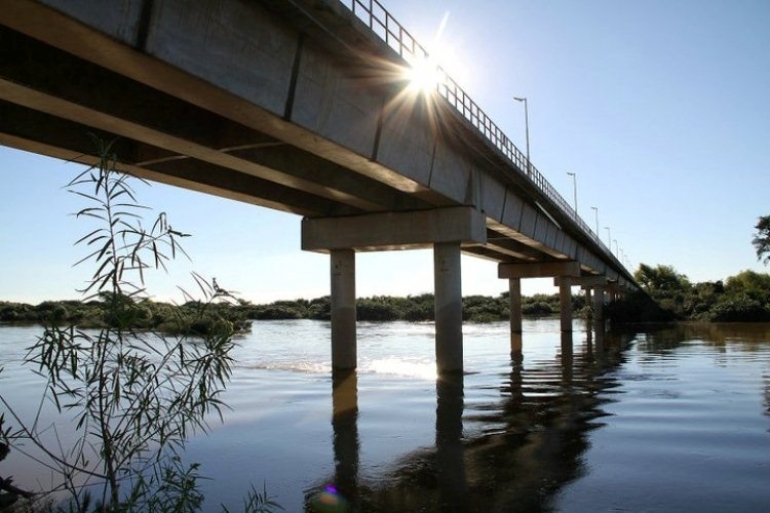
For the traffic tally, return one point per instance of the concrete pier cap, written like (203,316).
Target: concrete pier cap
(563,272)
(395,230)
(446,230)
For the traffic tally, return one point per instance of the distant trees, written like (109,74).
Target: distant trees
(761,239)
(669,288)
(741,298)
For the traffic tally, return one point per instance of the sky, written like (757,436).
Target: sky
(660,108)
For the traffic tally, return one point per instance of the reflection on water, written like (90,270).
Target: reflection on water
(529,441)
(675,418)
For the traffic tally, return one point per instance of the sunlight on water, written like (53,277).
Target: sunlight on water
(402,367)
(303,367)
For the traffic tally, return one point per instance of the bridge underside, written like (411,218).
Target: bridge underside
(294,106)
(61,81)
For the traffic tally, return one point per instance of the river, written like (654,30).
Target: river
(672,419)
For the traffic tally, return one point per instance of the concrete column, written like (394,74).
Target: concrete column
(343,276)
(448,307)
(588,297)
(565,301)
(514,305)
(599,306)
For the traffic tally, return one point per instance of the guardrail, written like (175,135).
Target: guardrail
(385,26)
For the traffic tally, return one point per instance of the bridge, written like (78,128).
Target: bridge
(302,106)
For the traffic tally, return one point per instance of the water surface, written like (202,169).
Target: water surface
(664,420)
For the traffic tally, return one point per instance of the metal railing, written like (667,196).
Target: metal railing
(382,23)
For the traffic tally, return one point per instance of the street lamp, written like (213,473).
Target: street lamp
(609,238)
(574,190)
(596,214)
(616,247)
(526,130)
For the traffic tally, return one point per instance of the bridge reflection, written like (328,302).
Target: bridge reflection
(514,454)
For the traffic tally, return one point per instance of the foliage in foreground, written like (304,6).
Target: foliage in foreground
(134,395)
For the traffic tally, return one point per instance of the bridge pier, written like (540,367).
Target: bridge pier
(594,286)
(565,303)
(564,272)
(446,230)
(343,304)
(448,307)
(598,306)
(515,314)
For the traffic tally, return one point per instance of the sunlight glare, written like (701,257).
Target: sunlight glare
(423,74)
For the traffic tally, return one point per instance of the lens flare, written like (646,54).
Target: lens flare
(329,501)
(424,74)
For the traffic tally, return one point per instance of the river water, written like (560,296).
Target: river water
(670,419)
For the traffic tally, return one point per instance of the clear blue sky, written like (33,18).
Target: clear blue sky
(661,108)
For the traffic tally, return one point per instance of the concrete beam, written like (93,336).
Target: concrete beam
(585,281)
(538,269)
(395,230)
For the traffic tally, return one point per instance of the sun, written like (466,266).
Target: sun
(424,74)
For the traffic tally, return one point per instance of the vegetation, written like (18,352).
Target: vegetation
(134,395)
(168,318)
(744,297)
(761,239)
(666,295)
(192,317)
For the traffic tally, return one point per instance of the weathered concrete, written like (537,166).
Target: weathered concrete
(394,230)
(515,314)
(343,304)
(565,303)
(448,307)
(538,270)
(260,105)
(598,305)
(514,302)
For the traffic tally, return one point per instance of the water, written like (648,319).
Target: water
(662,420)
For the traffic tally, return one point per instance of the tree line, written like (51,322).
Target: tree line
(167,317)
(666,295)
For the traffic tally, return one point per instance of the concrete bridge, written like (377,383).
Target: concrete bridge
(301,106)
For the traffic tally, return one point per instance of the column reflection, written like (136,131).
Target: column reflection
(345,425)
(450,462)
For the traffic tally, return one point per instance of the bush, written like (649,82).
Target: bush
(739,309)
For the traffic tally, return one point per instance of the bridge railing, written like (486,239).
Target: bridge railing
(384,25)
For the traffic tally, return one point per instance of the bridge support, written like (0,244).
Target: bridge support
(516,317)
(343,314)
(563,271)
(597,285)
(598,307)
(565,303)
(446,230)
(448,305)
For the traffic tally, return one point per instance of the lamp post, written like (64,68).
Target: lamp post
(616,247)
(526,130)
(596,215)
(609,238)
(574,190)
